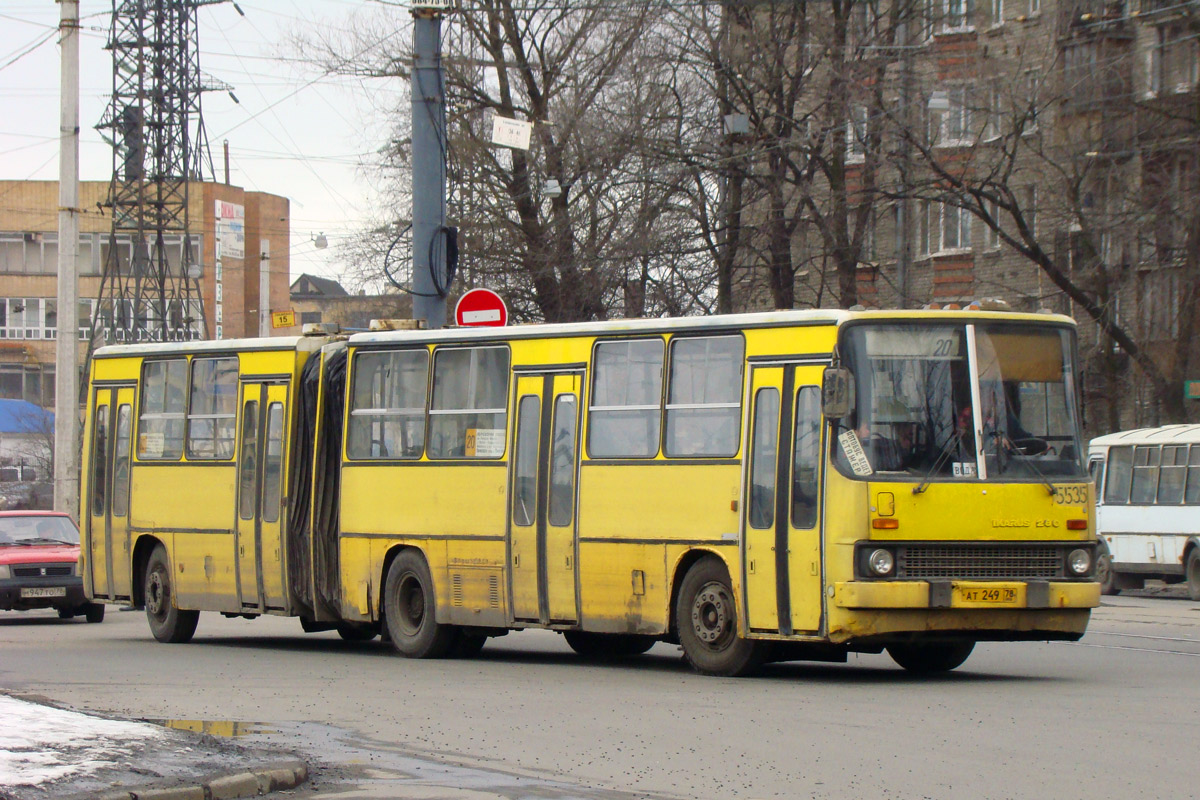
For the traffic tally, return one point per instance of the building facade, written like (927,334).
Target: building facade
(230,297)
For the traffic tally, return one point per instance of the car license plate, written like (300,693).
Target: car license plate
(1000,595)
(48,591)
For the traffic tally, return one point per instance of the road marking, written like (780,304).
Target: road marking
(1135,649)
(1144,636)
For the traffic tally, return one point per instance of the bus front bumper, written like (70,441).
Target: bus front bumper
(966,594)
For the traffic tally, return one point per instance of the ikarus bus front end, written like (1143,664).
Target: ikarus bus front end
(958,506)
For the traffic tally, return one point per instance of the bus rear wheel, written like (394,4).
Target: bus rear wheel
(1193,573)
(929,658)
(168,623)
(409,609)
(706,616)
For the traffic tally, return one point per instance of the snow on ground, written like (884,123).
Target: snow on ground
(39,744)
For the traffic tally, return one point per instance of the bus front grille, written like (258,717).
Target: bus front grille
(985,561)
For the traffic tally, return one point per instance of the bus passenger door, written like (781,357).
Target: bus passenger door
(781,539)
(108,529)
(260,467)
(542,490)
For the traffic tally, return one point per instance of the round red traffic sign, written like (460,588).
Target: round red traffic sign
(480,307)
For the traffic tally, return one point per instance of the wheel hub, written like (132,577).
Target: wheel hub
(155,594)
(711,614)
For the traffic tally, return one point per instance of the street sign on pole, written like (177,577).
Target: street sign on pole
(479,308)
(1191,390)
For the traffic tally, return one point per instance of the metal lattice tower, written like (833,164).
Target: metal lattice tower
(150,287)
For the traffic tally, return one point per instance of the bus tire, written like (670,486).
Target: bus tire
(931,657)
(168,623)
(706,617)
(1105,574)
(410,611)
(94,612)
(1193,573)
(602,646)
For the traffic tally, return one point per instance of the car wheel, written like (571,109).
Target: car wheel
(410,611)
(94,612)
(66,613)
(167,622)
(926,659)
(706,617)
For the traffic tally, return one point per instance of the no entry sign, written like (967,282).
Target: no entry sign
(480,307)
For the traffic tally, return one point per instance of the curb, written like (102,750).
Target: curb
(284,775)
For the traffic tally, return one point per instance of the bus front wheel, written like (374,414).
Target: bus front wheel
(1193,573)
(168,623)
(925,659)
(409,609)
(706,617)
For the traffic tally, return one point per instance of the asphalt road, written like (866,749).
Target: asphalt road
(1116,715)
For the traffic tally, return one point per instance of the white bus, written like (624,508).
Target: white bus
(1148,506)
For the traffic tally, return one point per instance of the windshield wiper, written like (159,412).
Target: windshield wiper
(44,540)
(947,449)
(1003,443)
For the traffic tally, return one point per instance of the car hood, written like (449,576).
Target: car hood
(38,553)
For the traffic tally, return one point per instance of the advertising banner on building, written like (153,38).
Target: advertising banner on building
(231,229)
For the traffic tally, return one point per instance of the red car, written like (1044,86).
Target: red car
(39,552)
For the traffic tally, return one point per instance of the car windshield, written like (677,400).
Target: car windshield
(36,529)
(918,415)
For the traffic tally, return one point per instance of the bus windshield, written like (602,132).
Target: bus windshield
(977,401)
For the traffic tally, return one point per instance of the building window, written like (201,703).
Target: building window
(309,317)
(1159,304)
(950,117)
(1031,208)
(997,8)
(944,227)
(1173,59)
(991,235)
(1035,7)
(956,15)
(856,133)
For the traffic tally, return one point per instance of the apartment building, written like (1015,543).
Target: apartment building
(1043,152)
(229,296)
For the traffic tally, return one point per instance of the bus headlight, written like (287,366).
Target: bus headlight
(881,562)
(1079,562)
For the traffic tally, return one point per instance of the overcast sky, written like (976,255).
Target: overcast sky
(295,132)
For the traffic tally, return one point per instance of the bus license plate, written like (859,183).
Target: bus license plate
(49,591)
(1002,595)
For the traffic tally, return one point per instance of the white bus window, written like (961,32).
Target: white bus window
(468,416)
(1145,474)
(1172,474)
(213,408)
(387,405)
(1120,475)
(160,425)
(624,415)
(1191,494)
(704,396)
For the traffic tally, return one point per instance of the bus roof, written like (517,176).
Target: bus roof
(199,346)
(1167,434)
(769,319)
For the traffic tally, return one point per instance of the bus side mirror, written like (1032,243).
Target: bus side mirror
(837,392)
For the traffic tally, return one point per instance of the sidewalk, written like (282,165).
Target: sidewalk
(48,752)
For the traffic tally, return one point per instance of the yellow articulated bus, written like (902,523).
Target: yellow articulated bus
(759,487)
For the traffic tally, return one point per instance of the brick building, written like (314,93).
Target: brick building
(29,317)
(1073,125)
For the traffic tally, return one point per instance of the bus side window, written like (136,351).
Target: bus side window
(100,461)
(1120,476)
(625,410)
(1145,474)
(1192,492)
(1172,475)
(525,490)
(806,458)
(765,447)
(469,412)
(120,498)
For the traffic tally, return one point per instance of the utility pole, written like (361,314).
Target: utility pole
(429,234)
(66,362)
